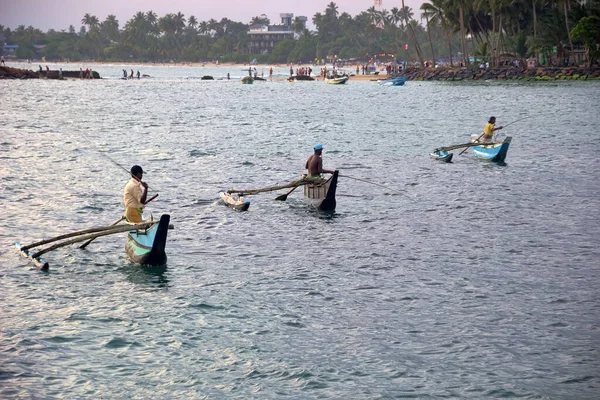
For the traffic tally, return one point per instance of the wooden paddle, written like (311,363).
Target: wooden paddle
(283,197)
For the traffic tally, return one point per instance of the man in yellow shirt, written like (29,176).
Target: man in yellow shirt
(488,131)
(134,195)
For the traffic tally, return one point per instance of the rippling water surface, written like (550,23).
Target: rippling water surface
(462,280)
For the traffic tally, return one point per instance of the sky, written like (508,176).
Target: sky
(59,14)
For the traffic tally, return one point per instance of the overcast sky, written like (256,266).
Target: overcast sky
(59,14)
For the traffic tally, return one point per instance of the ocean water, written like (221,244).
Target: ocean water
(461,280)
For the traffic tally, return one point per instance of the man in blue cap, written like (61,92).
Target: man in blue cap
(314,164)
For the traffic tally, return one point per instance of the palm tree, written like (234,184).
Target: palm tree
(192,22)
(435,12)
(396,15)
(298,25)
(460,4)
(203,28)
(427,19)
(179,23)
(565,2)
(90,20)
(406,12)
(332,10)
(151,23)
(110,28)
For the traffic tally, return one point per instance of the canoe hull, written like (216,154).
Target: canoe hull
(147,247)
(234,201)
(322,196)
(495,152)
(337,81)
(393,82)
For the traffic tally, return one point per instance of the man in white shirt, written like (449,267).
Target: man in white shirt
(134,195)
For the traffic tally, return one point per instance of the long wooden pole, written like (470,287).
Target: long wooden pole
(83,246)
(476,142)
(114,229)
(457,146)
(68,235)
(296,183)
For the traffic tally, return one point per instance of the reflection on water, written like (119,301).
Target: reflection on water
(450,280)
(148,275)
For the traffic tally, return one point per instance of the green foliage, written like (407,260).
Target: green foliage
(484,29)
(282,51)
(26,51)
(587,30)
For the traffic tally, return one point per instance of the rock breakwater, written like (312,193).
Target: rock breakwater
(526,74)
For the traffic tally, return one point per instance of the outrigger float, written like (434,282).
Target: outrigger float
(145,242)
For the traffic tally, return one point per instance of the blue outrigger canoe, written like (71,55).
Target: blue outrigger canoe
(495,152)
(147,246)
(397,81)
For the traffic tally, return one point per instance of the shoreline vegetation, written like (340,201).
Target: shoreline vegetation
(411,74)
(470,33)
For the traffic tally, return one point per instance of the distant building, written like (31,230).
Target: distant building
(10,50)
(263,38)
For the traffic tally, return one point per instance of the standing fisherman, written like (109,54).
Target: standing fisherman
(134,195)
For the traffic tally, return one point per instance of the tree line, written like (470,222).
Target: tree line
(449,31)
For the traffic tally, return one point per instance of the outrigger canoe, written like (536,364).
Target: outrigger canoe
(147,246)
(495,152)
(235,201)
(397,81)
(322,195)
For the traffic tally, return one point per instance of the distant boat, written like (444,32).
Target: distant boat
(337,81)
(397,81)
(296,78)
